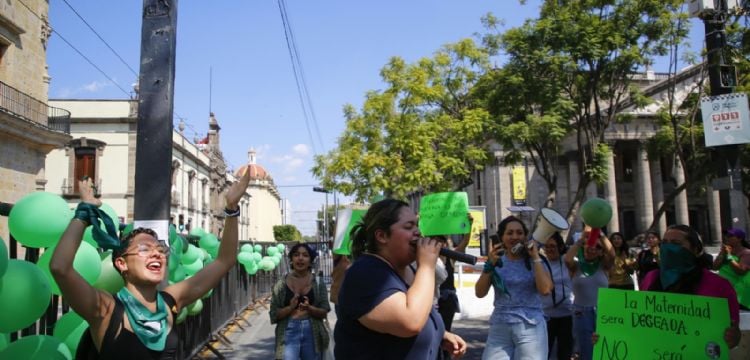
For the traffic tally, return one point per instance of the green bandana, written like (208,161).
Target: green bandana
(588,268)
(91,214)
(151,328)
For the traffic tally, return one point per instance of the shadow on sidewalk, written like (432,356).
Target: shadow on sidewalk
(474,332)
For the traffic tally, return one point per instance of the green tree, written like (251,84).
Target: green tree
(419,134)
(585,53)
(286,233)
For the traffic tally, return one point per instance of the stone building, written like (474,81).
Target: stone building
(637,183)
(29,127)
(103,148)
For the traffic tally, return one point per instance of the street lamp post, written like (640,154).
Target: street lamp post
(325,211)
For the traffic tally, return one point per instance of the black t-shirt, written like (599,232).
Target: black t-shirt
(366,284)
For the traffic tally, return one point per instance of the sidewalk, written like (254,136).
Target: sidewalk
(257,341)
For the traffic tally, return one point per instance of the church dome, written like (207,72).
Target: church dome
(257,172)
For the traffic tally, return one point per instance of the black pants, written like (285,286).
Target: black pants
(447,309)
(560,329)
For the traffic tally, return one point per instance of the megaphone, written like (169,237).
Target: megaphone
(549,222)
(595,212)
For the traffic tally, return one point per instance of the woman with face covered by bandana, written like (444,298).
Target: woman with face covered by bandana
(681,272)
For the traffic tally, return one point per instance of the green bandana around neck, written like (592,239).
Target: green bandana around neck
(497,279)
(588,268)
(150,328)
(91,214)
(675,261)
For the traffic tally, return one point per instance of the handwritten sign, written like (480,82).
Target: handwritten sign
(658,325)
(444,214)
(345,221)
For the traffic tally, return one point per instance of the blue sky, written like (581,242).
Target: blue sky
(343,44)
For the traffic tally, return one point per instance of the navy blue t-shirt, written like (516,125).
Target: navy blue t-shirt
(366,284)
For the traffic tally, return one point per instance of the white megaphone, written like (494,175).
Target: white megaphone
(549,222)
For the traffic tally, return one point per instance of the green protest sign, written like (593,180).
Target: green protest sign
(659,325)
(345,221)
(444,214)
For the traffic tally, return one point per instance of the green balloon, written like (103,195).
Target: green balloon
(178,275)
(126,230)
(251,268)
(109,279)
(182,316)
(172,233)
(214,252)
(69,328)
(246,248)
(196,231)
(258,248)
(195,308)
(173,261)
(190,255)
(208,241)
(37,347)
(276,259)
(4,341)
(86,262)
(209,293)
(39,219)
(257,257)
(596,212)
(194,267)
(24,295)
(272,250)
(3,257)
(281,247)
(244,257)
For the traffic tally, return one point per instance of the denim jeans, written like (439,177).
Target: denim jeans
(519,341)
(298,340)
(584,325)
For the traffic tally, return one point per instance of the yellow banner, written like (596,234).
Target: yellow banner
(519,183)
(477,226)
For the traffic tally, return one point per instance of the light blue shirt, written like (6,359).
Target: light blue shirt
(523,302)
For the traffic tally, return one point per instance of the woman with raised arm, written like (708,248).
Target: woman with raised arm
(138,321)
(520,278)
(588,265)
(379,315)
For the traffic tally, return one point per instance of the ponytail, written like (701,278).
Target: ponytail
(380,216)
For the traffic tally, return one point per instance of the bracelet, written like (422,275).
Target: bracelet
(488,267)
(231,213)
(538,260)
(84,222)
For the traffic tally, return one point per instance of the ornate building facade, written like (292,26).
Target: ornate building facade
(637,183)
(29,127)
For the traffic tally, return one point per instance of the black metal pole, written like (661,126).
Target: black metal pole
(156,102)
(725,157)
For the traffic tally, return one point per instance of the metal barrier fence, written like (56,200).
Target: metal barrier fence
(236,293)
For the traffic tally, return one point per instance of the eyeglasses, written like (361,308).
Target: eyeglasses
(145,250)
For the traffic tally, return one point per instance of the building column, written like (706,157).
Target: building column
(714,214)
(644,198)
(682,216)
(573,181)
(611,191)
(657,187)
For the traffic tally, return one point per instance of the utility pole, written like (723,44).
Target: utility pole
(723,79)
(153,156)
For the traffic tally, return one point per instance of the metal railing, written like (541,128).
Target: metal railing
(22,105)
(68,187)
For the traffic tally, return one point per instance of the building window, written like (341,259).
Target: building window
(85,165)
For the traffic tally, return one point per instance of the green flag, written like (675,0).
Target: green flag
(345,221)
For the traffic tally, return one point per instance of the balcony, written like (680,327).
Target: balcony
(68,188)
(21,105)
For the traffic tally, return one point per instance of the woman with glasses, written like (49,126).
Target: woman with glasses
(589,266)
(138,321)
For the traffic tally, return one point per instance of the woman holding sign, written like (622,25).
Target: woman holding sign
(518,329)
(379,315)
(138,321)
(680,272)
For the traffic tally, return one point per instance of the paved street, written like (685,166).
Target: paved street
(257,340)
